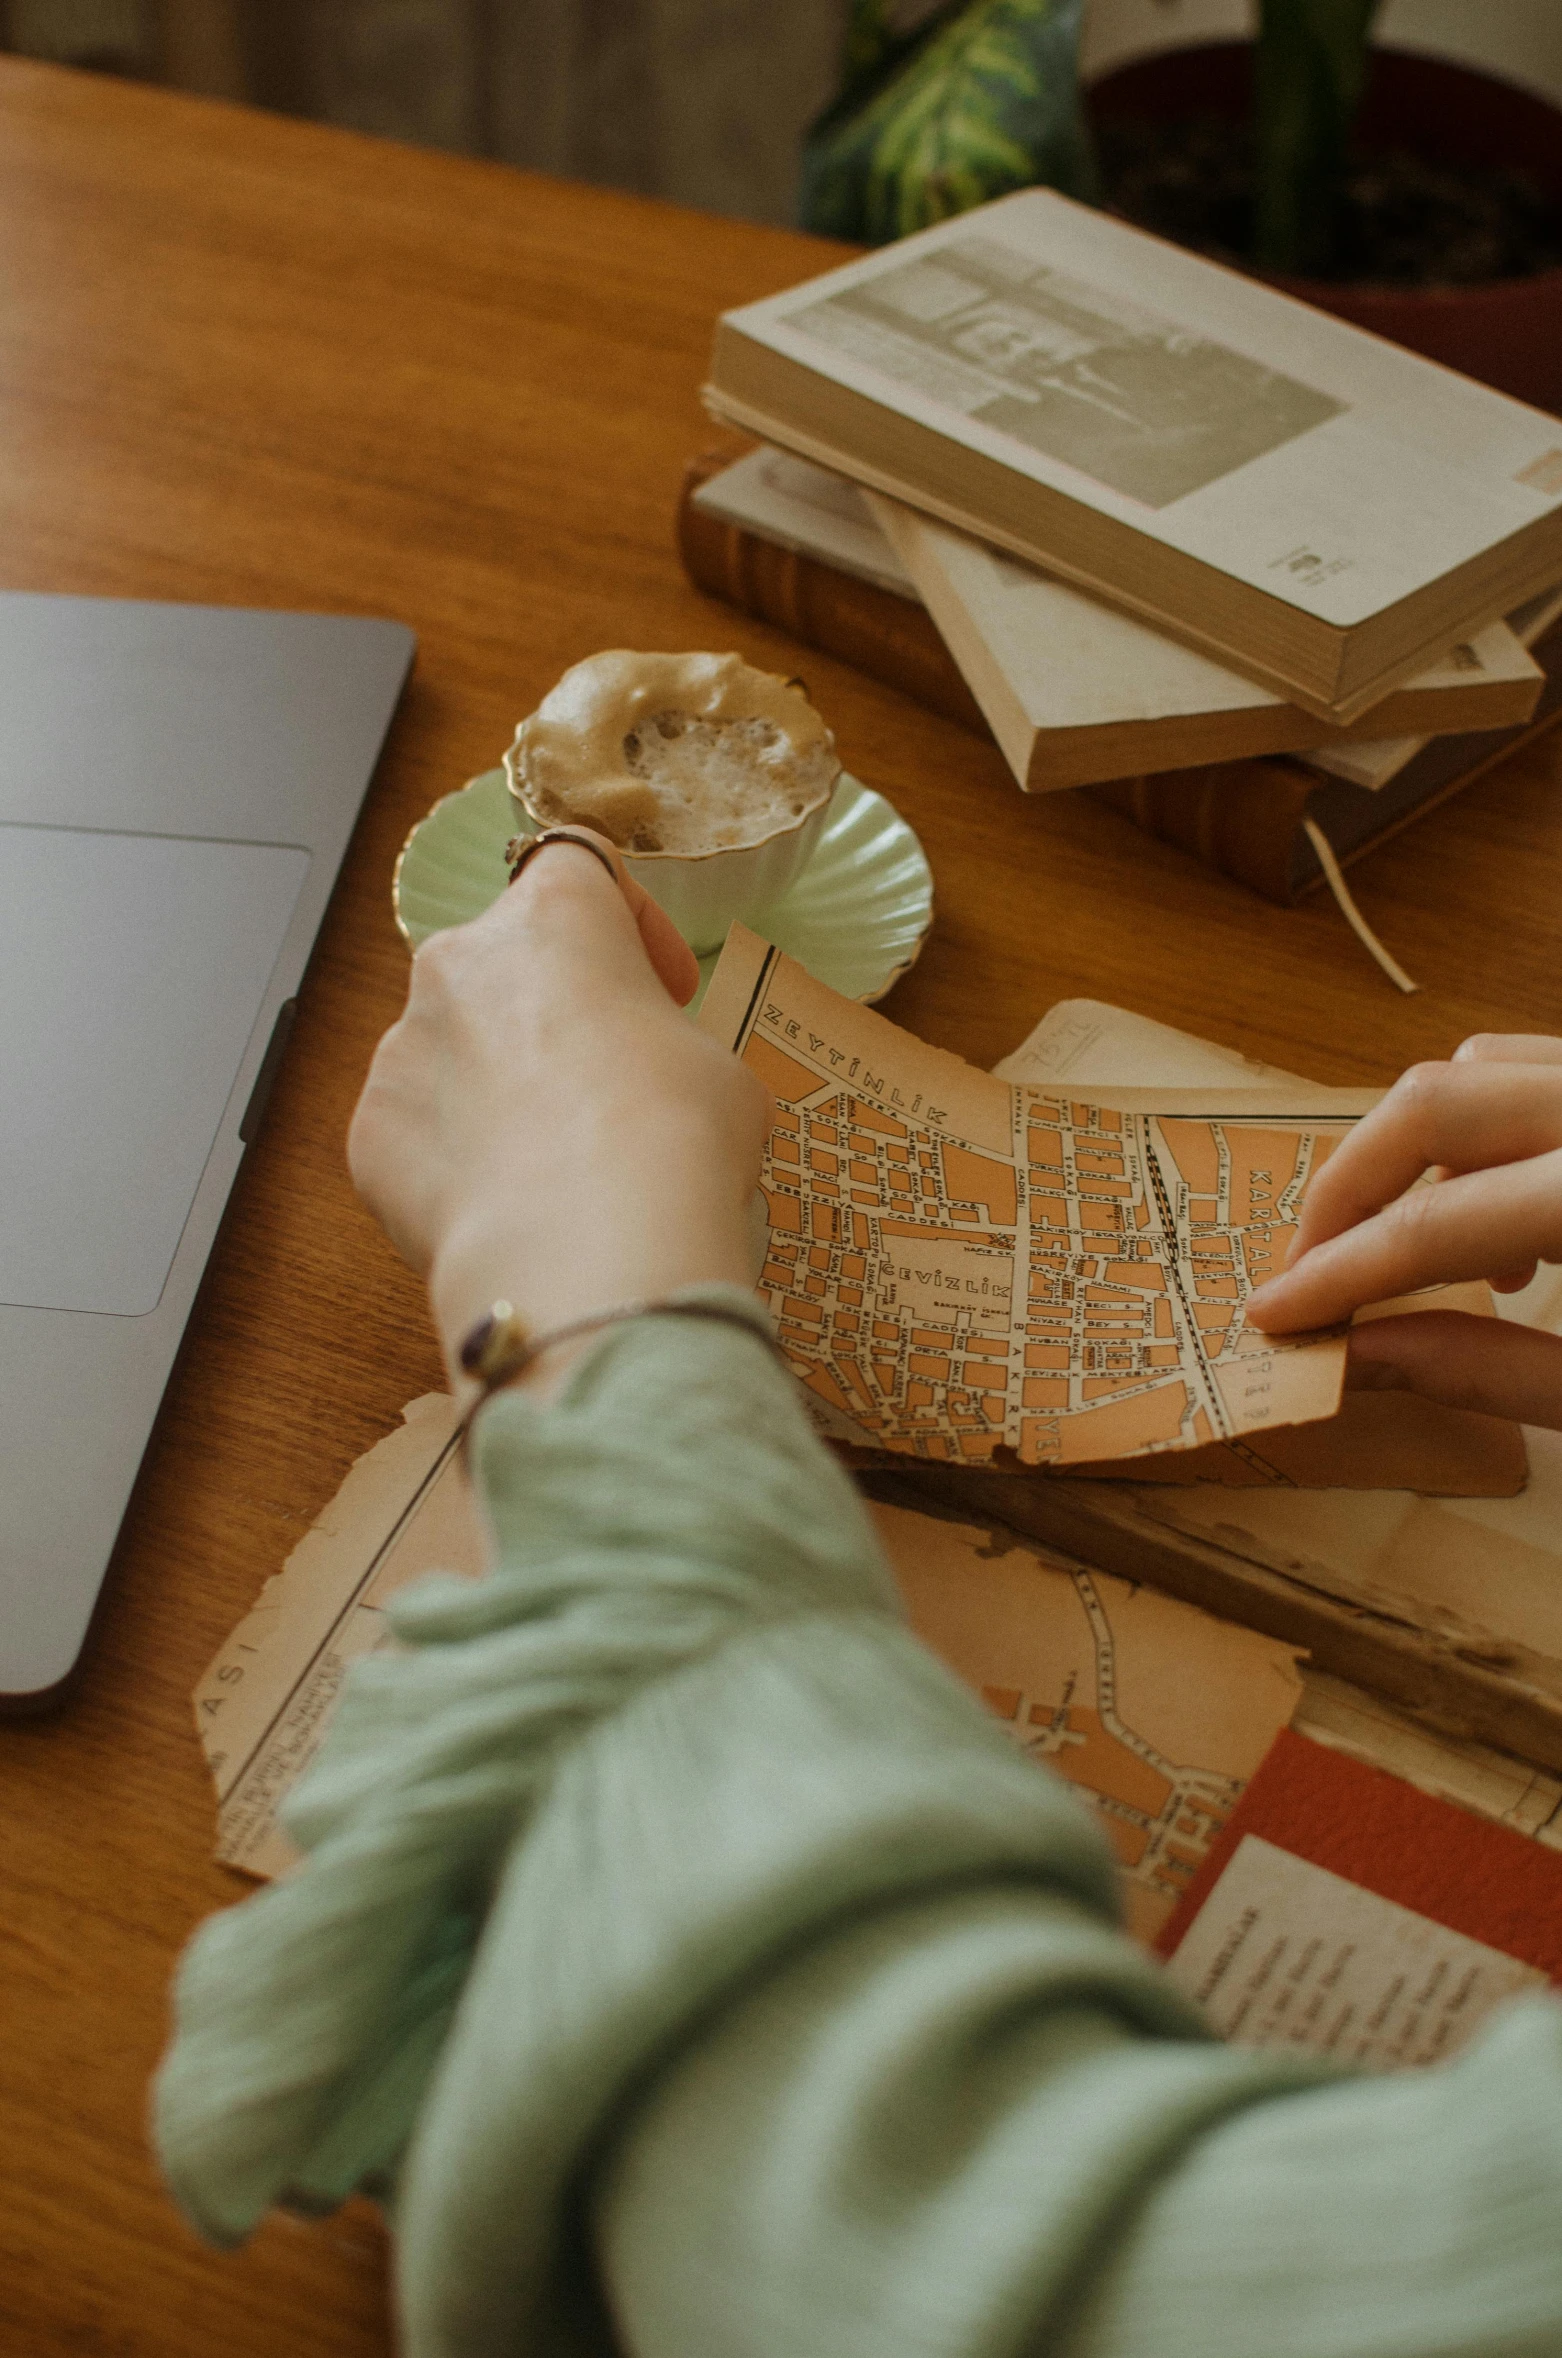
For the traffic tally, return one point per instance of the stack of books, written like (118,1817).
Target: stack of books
(1269,584)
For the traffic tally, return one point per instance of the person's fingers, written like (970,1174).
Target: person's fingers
(566,908)
(674,963)
(1509,1048)
(1457,1117)
(1463,1361)
(1505,1048)
(1462,1228)
(563,930)
(1513,1281)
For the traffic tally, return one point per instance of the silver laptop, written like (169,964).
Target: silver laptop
(177,788)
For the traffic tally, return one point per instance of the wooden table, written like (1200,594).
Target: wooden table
(253,362)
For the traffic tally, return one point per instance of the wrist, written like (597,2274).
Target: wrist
(551,1281)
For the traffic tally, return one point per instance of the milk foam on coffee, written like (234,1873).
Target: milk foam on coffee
(683,754)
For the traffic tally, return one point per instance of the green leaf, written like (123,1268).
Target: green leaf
(982,99)
(1311,69)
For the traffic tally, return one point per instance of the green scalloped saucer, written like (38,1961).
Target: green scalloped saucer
(856,917)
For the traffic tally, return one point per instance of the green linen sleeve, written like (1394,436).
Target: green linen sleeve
(697,1970)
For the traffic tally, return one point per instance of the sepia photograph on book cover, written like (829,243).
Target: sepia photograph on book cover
(1073,370)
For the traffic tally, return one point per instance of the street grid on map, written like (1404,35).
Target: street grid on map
(1068,1281)
(1155,1713)
(1160,1815)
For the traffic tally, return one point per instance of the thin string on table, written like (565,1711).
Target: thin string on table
(1335,879)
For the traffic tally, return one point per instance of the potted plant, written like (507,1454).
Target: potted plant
(1415,197)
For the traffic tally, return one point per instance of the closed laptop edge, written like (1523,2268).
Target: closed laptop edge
(178,789)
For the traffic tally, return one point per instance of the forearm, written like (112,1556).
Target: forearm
(798,1770)
(663,1879)
(919,2139)
(682,1714)
(668,1508)
(941,2132)
(878,2073)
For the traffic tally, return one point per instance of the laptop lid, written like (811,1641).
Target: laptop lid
(178,785)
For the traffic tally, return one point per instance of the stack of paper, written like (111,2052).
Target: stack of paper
(1078,692)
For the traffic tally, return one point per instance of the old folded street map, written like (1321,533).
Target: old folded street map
(957,1264)
(1156,1713)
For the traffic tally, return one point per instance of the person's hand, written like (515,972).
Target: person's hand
(543,1125)
(1488,1127)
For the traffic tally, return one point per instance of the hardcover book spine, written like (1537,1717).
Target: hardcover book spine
(1354,821)
(1243,818)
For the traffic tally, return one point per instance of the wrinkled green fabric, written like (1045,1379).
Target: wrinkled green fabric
(981,100)
(691,1960)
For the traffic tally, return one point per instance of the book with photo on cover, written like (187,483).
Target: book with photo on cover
(1076,691)
(1245,819)
(1311,505)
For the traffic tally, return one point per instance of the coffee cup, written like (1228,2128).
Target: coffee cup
(713,779)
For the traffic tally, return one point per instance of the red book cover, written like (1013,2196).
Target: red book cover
(1343,1911)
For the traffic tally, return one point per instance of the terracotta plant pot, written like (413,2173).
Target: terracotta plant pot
(1508,331)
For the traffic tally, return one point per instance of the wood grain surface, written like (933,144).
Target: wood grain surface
(250,361)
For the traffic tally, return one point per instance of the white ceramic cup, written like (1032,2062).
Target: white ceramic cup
(706,892)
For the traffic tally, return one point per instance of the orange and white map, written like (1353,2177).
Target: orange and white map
(958,1263)
(1155,1712)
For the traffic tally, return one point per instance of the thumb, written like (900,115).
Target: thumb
(1464,1361)
(672,960)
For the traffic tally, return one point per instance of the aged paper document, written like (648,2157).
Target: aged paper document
(1158,1712)
(265,1702)
(958,1263)
(1378,1440)
(1285,1953)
